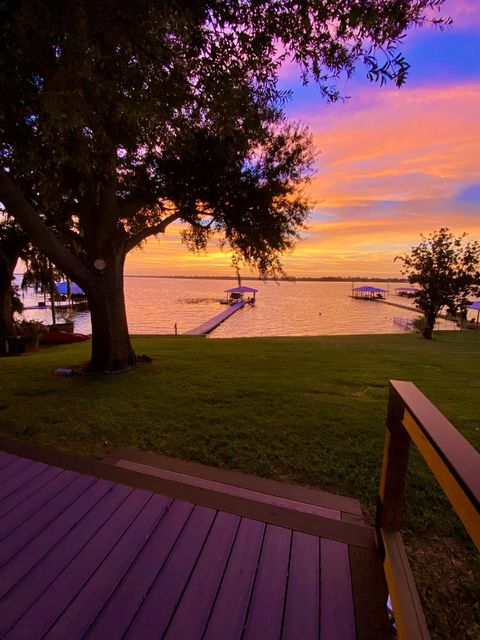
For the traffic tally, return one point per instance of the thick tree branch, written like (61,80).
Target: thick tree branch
(20,208)
(127,208)
(150,231)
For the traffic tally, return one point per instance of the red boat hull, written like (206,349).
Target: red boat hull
(63,337)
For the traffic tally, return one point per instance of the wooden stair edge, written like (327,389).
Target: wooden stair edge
(341,531)
(295,492)
(230,489)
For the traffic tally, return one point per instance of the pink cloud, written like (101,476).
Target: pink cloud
(465,13)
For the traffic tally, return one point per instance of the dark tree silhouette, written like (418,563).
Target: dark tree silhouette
(125,117)
(447,268)
(12,243)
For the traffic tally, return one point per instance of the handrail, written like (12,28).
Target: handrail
(454,462)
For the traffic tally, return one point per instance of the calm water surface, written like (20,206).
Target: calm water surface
(155,305)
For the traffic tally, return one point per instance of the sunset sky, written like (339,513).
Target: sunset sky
(391,163)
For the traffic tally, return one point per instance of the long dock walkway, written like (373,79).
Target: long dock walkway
(399,305)
(211,324)
(410,308)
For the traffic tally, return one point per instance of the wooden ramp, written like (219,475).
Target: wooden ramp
(148,547)
(211,324)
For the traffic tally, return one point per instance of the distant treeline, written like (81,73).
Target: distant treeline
(286,279)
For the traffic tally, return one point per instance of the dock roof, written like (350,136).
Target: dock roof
(241,289)
(370,289)
(75,290)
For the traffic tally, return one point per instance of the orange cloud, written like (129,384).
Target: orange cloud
(407,144)
(391,165)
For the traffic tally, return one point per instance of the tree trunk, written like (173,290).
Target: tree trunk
(111,347)
(6,315)
(9,254)
(53,292)
(429,325)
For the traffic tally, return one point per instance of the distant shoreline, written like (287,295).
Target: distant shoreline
(288,279)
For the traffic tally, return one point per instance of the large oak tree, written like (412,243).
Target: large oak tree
(129,116)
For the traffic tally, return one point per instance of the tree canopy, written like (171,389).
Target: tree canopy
(122,118)
(447,268)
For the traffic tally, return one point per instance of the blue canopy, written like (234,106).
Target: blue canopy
(75,290)
(370,289)
(241,289)
(475,305)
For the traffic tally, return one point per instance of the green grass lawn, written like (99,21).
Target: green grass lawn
(305,410)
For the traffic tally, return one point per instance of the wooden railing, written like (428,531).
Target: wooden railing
(455,464)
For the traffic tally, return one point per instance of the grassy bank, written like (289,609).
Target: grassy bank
(306,410)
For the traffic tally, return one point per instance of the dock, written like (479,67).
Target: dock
(406,323)
(213,323)
(80,305)
(400,306)
(443,316)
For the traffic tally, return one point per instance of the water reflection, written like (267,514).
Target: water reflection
(155,305)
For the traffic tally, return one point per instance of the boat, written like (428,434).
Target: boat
(406,292)
(63,337)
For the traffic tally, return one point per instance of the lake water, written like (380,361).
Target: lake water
(155,305)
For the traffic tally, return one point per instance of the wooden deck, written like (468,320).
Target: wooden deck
(149,547)
(210,325)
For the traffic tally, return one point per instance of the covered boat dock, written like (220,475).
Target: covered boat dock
(236,294)
(368,292)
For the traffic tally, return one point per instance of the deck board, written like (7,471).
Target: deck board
(54,519)
(191,616)
(303,594)
(230,608)
(336,600)
(55,599)
(265,615)
(18,497)
(89,558)
(19,480)
(6,459)
(157,609)
(83,610)
(31,584)
(35,496)
(120,609)
(17,466)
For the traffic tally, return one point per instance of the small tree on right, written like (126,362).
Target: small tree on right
(447,269)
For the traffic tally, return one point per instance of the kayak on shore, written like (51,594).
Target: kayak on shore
(63,337)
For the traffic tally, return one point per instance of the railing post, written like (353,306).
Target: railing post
(394,468)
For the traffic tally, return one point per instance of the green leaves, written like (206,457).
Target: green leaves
(447,269)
